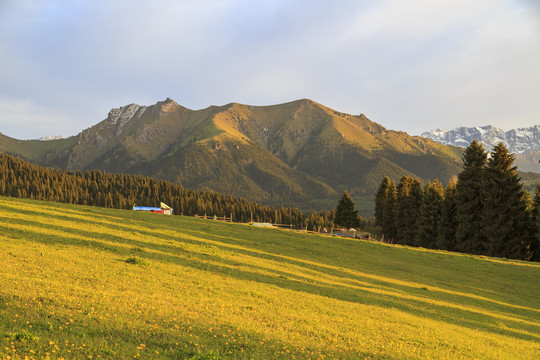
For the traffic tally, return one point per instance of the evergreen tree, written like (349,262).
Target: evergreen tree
(401,215)
(470,200)
(409,199)
(380,200)
(123,191)
(506,222)
(389,215)
(345,213)
(535,217)
(429,216)
(448,222)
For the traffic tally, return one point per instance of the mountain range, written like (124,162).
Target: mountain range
(299,153)
(523,142)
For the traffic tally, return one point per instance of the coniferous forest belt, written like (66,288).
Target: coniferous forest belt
(19,178)
(484,211)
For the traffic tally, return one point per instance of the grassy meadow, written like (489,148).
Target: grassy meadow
(82,282)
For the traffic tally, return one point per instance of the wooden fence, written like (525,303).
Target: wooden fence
(320,230)
(218,218)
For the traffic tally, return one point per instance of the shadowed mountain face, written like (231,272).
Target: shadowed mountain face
(299,153)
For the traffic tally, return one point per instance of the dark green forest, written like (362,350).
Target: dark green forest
(485,211)
(19,178)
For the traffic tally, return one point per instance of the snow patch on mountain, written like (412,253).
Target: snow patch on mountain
(47,138)
(125,113)
(121,116)
(518,141)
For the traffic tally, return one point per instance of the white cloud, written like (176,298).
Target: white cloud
(410,65)
(22,119)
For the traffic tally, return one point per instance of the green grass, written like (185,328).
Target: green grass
(214,290)
(137,261)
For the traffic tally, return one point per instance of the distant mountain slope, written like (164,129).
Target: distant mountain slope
(524,142)
(298,153)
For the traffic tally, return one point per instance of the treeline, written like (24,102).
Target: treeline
(21,179)
(318,220)
(484,211)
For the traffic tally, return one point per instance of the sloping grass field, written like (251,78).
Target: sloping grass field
(83,282)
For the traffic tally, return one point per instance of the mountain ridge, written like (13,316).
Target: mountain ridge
(298,153)
(523,142)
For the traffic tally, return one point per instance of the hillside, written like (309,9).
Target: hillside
(87,282)
(299,153)
(19,178)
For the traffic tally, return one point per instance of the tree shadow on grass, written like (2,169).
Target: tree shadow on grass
(353,287)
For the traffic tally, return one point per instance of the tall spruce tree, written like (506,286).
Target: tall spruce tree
(535,217)
(380,200)
(389,215)
(448,222)
(345,213)
(403,191)
(429,216)
(470,201)
(506,221)
(409,199)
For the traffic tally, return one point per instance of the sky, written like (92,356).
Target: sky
(413,65)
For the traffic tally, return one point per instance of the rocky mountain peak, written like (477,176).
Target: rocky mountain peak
(120,116)
(51,137)
(518,141)
(523,142)
(169,105)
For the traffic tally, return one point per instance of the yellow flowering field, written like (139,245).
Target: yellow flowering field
(81,282)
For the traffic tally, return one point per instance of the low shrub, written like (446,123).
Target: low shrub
(137,261)
(22,335)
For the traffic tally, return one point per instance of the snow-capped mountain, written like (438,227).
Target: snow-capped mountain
(523,142)
(47,138)
(518,141)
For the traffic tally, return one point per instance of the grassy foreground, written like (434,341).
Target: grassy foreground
(81,282)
